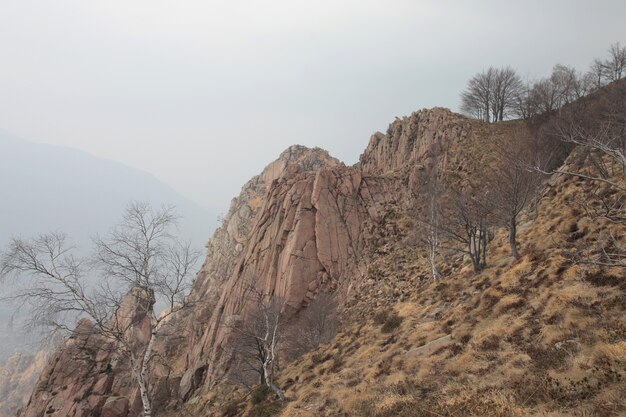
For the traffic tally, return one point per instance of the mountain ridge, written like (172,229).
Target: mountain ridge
(470,342)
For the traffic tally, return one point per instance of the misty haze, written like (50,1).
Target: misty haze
(312,209)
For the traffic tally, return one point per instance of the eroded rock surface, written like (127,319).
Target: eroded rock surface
(414,140)
(88,369)
(302,226)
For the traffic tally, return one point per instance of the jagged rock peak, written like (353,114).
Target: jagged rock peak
(228,240)
(88,369)
(413,139)
(307,159)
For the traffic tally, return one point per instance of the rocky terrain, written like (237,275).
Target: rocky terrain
(538,335)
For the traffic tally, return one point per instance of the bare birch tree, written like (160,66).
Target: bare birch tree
(466,222)
(256,338)
(513,182)
(428,200)
(140,257)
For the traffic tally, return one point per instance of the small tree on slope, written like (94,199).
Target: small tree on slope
(139,255)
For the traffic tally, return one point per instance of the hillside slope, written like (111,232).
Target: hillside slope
(48,188)
(536,336)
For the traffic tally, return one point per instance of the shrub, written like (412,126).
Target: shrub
(393,322)
(491,342)
(230,409)
(381,316)
(259,394)
(267,410)
(601,279)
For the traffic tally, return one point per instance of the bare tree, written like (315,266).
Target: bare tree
(139,256)
(598,131)
(316,324)
(477,97)
(525,104)
(506,87)
(598,134)
(256,338)
(466,222)
(596,74)
(602,72)
(428,201)
(615,65)
(491,95)
(513,182)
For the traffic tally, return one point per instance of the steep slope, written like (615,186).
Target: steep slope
(537,336)
(17,379)
(48,188)
(223,252)
(468,344)
(306,224)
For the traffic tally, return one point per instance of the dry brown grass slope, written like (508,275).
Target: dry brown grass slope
(538,336)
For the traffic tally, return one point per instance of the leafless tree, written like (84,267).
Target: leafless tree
(525,104)
(598,134)
(465,223)
(140,257)
(513,182)
(256,338)
(596,74)
(428,201)
(615,65)
(315,324)
(491,95)
(602,72)
(598,131)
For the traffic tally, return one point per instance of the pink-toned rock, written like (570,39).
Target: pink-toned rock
(115,407)
(302,226)
(87,368)
(307,236)
(413,139)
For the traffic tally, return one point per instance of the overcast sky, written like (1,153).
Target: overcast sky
(203,94)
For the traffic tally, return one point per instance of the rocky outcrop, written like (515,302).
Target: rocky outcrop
(304,225)
(228,244)
(88,369)
(230,238)
(307,236)
(18,376)
(413,140)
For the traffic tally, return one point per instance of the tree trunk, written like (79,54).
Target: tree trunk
(512,237)
(433,263)
(267,373)
(142,379)
(483,243)
(433,244)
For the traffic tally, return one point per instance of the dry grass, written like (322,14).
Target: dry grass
(537,336)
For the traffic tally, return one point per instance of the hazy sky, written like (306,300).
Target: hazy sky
(204,94)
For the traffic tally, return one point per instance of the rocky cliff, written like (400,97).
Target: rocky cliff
(17,379)
(305,224)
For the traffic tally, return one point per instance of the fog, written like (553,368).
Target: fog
(203,94)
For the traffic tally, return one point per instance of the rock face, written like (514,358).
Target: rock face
(83,374)
(306,237)
(414,140)
(229,240)
(302,226)
(18,376)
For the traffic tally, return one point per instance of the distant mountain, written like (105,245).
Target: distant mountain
(51,188)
